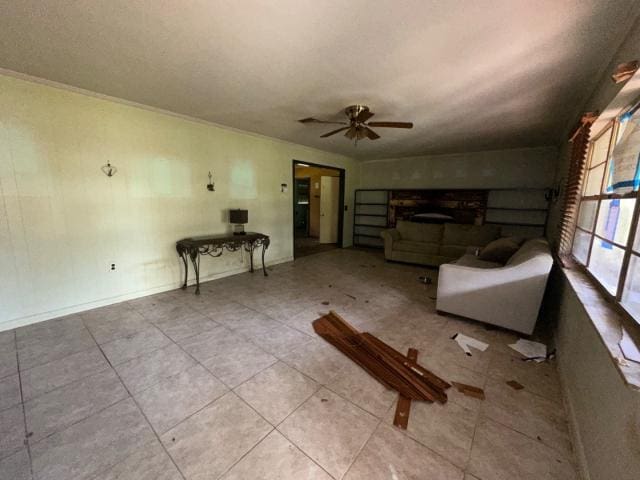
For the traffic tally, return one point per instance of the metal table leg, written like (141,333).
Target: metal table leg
(183,254)
(195,260)
(265,244)
(251,247)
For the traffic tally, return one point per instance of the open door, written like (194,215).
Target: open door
(324,187)
(329,209)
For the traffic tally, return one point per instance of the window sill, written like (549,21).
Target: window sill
(607,323)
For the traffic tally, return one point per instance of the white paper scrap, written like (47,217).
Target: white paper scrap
(534,350)
(465,342)
(629,348)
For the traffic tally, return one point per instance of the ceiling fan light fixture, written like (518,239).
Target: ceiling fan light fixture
(358,125)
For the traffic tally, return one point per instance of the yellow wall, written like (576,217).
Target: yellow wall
(63,222)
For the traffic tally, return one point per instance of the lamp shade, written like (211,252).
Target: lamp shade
(238,216)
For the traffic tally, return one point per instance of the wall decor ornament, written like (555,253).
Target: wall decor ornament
(211,186)
(109,170)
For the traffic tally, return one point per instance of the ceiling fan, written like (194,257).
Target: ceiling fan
(357,126)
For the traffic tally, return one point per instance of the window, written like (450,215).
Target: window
(607,235)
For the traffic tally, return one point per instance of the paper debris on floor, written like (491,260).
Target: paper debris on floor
(531,350)
(466,343)
(629,348)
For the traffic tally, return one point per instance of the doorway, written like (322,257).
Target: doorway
(318,212)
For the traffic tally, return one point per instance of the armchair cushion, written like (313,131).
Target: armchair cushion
(500,250)
(475,262)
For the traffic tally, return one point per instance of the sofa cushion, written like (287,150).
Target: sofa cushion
(419,232)
(416,247)
(476,235)
(474,262)
(453,251)
(500,250)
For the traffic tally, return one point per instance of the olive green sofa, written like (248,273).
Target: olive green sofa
(435,244)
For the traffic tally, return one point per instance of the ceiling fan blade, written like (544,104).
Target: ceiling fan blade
(364,115)
(360,133)
(371,135)
(351,132)
(333,132)
(315,120)
(391,124)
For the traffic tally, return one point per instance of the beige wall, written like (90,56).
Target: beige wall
(606,412)
(517,168)
(63,222)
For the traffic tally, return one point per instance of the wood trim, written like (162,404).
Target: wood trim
(341,199)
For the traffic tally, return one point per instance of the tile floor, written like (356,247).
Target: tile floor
(234,384)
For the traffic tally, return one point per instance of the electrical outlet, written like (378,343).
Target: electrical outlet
(113,266)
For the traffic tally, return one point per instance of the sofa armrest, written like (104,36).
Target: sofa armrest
(389,236)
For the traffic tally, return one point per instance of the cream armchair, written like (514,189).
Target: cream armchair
(508,296)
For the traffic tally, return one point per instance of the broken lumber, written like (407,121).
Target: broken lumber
(409,363)
(469,390)
(381,361)
(403,407)
(515,385)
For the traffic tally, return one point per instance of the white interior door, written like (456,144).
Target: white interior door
(329,199)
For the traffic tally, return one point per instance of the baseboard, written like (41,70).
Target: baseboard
(61,312)
(578,448)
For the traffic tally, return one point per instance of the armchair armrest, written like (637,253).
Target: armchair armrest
(508,296)
(391,233)
(389,236)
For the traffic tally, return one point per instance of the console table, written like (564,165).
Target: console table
(214,246)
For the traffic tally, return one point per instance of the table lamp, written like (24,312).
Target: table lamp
(238,218)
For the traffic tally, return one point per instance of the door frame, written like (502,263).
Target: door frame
(341,176)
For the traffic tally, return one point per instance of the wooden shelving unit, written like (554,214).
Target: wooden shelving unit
(370,217)
(521,212)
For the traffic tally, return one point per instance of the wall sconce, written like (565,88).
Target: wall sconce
(283,187)
(109,170)
(211,186)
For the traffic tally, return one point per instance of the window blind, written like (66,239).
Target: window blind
(573,187)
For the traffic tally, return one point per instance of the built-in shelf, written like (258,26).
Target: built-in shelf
(370,217)
(521,212)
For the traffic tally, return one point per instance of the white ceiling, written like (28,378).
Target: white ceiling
(472,75)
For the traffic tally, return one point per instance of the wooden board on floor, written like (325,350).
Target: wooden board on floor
(403,408)
(381,361)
